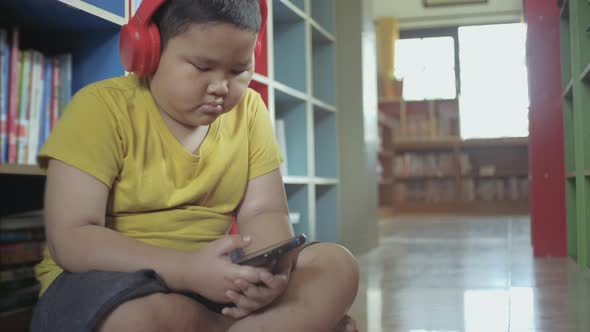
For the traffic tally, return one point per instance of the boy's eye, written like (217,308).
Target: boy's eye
(239,72)
(202,68)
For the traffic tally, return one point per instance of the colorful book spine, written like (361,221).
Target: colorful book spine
(14,85)
(35,106)
(65,62)
(4,69)
(21,253)
(46,107)
(55,92)
(25,100)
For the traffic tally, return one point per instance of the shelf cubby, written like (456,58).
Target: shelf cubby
(298,201)
(325,143)
(323,65)
(292,111)
(289,46)
(327,226)
(322,13)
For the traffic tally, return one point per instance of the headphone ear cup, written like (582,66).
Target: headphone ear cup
(139,47)
(153,47)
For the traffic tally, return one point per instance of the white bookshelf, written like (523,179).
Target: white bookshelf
(302,93)
(300,85)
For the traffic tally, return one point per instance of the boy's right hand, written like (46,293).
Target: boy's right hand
(209,271)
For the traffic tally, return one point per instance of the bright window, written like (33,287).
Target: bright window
(494,97)
(427,66)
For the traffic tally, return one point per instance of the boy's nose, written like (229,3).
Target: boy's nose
(219,88)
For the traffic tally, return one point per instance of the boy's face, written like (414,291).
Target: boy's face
(203,72)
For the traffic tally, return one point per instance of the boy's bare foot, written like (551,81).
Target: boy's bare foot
(346,324)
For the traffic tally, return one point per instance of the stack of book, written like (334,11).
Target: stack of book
(34,89)
(22,239)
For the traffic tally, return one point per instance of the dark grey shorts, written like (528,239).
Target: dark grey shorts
(81,301)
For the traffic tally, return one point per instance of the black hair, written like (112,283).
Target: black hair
(176,16)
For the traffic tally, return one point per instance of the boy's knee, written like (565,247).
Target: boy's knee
(335,260)
(157,312)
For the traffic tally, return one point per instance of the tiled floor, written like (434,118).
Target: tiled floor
(467,274)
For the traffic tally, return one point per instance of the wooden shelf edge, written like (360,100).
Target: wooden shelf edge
(495,142)
(15,169)
(568,92)
(96,11)
(325,181)
(423,177)
(290,179)
(323,105)
(329,36)
(386,180)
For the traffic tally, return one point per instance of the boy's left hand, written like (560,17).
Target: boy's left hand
(254,297)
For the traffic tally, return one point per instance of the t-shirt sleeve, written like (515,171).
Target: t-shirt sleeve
(264,153)
(87,137)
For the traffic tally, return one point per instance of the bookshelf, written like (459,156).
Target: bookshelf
(575,60)
(427,168)
(296,76)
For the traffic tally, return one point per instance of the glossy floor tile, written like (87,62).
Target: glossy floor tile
(472,274)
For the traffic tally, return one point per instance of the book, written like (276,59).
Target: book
(4,73)
(14,85)
(35,106)
(21,297)
(24,102)
(21,253)
(65,63)
(55,92)
(36,233)
(45,106)
(30,219)
(17,273)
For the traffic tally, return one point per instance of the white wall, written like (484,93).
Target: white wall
(412,15)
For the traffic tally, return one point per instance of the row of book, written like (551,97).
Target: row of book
(418,164)
(444,190)
(34,89)
(22,240)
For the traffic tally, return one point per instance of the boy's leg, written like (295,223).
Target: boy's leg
(164,312)
(320,292)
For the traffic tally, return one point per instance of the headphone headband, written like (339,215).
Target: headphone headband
(139,43)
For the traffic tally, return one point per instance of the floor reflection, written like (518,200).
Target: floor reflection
(466,274)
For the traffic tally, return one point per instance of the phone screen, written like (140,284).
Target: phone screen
(267,255)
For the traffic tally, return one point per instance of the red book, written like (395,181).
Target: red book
(13,106)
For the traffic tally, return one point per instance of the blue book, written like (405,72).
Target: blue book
(4,73)
(65,64)
(45,104)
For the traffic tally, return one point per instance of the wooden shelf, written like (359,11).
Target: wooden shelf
(385,153)
(423,177)
(568,92)
(495,142)
(385,120)
(501,174)
(21,169)
(425,145)
(390,100)
(386,181)
(478,207)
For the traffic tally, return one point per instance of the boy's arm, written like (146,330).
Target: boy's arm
(75,205)
(263,213)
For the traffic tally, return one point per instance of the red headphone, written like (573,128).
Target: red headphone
(139,44)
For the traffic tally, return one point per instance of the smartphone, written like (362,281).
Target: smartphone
(268,255)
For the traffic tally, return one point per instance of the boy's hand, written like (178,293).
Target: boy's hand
(209,272)
(255,296)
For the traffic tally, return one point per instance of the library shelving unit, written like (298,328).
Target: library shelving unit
(295,75)
(575,58)
(427,168)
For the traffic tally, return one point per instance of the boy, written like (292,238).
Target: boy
(144,175)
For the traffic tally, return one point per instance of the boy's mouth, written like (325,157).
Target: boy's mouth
(211,108)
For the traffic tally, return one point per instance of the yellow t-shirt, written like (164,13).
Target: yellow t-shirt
(160,193)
